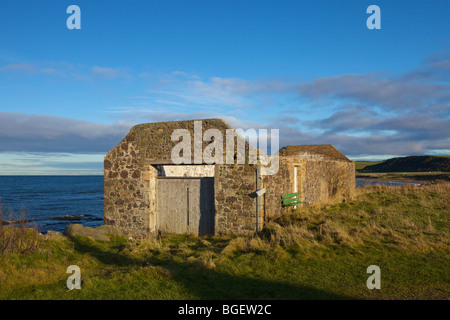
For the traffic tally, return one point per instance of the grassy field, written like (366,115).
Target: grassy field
(359,165)
(313,253)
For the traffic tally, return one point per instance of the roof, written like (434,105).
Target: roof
(151,143)
(327,151)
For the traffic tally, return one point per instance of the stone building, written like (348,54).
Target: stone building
(146,192)
(318,173)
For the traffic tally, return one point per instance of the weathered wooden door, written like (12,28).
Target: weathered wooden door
(186,205)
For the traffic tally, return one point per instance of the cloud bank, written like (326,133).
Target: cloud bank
(42,133)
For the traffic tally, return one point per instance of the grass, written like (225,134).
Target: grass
(359,165)
(319,252)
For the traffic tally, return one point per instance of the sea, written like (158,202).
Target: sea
(53,202)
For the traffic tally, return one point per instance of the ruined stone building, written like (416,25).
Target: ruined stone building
(146,192)
(318,173)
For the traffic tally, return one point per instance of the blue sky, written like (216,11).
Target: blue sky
(311,69)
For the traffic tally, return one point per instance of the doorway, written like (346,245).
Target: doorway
(186,205)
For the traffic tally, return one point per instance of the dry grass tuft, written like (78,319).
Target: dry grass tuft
(16,237)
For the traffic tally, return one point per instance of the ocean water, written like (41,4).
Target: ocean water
(361,183)
(52,202)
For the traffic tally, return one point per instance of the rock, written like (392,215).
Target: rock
(54,235)
(80,230)
(109,230)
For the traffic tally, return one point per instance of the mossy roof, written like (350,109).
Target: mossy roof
(327,151)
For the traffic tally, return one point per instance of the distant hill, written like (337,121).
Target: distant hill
(359,165)
(411,164)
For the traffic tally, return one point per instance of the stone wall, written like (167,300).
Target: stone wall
(235,204)
(318,181)
(328,181)
(125,198)
(277,185)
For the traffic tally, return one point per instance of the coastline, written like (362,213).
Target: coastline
(405,177)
